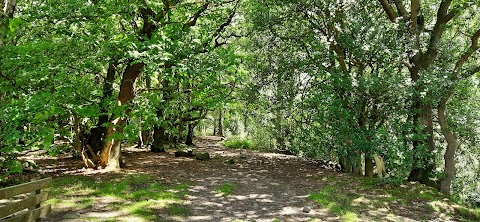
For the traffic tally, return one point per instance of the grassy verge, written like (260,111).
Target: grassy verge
(355,198)
(132,197)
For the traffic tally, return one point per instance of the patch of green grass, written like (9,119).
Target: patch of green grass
(136,195)
(276,220)
(367,183)
(471,214)
(348,200)
(238,143)
(178,210)
(225,189)
(350,217)
(429,194)
(334,200)
(140,209)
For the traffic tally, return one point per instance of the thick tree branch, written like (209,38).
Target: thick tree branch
(415,10)
(392,15)
(436,34)
(193,20)
(473,47)
(471,72)
(13,82)
(401,8)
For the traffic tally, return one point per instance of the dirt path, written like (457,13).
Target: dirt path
(266,186)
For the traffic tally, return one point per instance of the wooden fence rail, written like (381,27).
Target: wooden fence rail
(29,208)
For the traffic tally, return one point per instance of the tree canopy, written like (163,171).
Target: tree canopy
(387,88)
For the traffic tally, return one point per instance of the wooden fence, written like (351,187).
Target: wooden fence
(23,202)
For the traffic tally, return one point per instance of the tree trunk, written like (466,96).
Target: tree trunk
(421,116)
(110,156)
(144,136)
(189,140)
(452,146)
(357,163)
(346,165)
(214,127)
(95,140)
(7,10)
(368,166)
(220,123)
(158,134)
(158,139)
(422,174)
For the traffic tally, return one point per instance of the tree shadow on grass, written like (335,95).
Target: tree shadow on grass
(130,197)
(355,198)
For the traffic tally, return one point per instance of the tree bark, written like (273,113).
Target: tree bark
(452,146)
(95,140)
(422,114)
(7,10)
(110,156)
(422,174)
(220,123)
(189,140)
(214,127)
(368,166)
(158,139)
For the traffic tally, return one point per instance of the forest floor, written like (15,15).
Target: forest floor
(235,185)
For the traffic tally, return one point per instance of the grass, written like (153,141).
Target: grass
(335,201)
(355,198)
(238,143)
(138,197)
(225,189)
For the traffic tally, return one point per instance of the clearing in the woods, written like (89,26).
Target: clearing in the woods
(235,185)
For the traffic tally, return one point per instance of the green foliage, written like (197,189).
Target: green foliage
(332,80)
(9,165)
(225,189)
(238,143)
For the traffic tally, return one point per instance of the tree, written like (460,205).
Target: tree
(423,48)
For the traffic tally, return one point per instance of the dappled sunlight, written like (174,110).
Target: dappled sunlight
(252,187)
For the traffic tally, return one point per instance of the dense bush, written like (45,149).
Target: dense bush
(238,143)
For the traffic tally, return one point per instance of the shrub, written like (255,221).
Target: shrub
(238,143)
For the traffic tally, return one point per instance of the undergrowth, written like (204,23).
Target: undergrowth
(238,143)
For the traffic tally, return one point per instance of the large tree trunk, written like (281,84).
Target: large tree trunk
(422,116)
(158,139)
(421,60)
(452,146)
(95,140)
(110,156)
(422,173)
(158,135)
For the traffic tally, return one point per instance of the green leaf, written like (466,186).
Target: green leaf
(48,139)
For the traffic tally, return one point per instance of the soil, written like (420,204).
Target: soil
(267,186)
